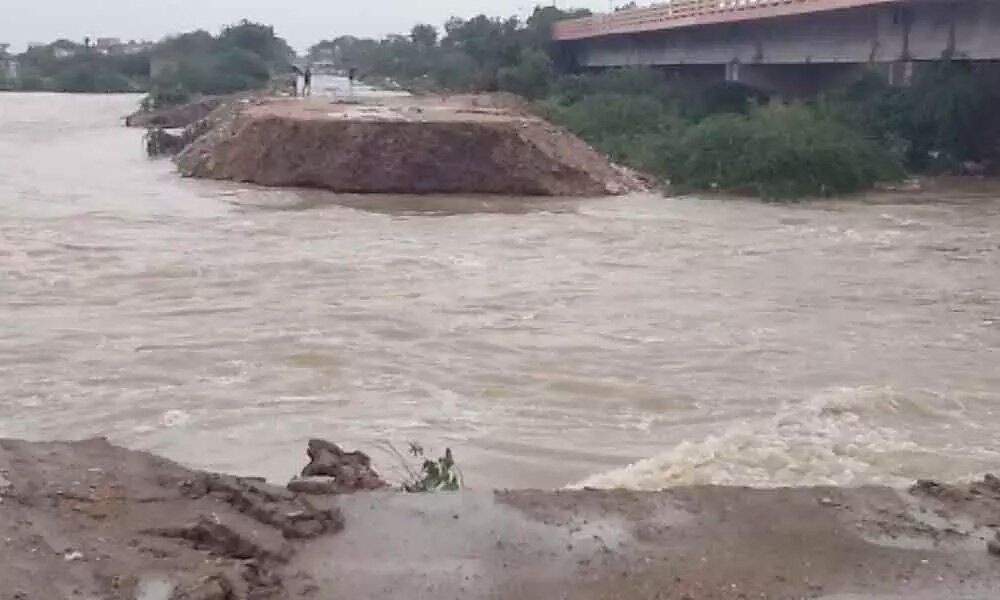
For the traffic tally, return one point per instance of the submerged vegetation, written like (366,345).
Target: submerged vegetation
(441,475)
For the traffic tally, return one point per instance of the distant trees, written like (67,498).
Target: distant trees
(479,53)
(243,56)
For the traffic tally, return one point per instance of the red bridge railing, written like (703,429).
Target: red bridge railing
(689,13)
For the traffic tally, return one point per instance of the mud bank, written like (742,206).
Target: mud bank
(91,520)
(176,117)
(411,145)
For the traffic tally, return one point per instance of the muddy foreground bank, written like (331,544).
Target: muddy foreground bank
(91,520)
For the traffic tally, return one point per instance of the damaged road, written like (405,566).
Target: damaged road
(91,520)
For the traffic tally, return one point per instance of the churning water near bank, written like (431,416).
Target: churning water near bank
(548,342)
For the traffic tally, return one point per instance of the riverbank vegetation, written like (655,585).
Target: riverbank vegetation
(726,136)
(723,136)
(243,56)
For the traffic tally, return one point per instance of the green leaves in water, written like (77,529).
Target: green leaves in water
(441,475)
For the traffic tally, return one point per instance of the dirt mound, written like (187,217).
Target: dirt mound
(416,148)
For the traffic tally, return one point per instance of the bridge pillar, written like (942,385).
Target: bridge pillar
(901,73)
(733,71)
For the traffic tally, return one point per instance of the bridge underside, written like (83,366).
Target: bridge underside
(803,55)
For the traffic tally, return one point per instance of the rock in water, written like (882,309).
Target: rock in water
(333,471)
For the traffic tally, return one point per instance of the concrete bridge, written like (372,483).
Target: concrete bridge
(789,47)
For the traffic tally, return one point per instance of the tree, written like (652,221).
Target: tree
(258,39)
(530,77)
(424,37)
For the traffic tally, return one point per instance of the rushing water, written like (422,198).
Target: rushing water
(545,341)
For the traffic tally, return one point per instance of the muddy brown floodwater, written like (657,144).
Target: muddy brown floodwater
(548,343)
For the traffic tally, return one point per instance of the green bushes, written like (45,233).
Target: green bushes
(636,130)
(779,152)
(772,151)
(242,57)
(161,96)
(90,77)
(530,77)
(946,118)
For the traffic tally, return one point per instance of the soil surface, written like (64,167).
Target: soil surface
(462,144)
(91,520)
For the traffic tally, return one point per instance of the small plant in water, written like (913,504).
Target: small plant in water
(441,475)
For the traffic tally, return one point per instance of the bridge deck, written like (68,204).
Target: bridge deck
(692,13)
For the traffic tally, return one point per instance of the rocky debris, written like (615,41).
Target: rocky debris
(213,587)
(419,148)
(979,500)
(160,142)
(225,538)
(334,471)
(176,117)
(294,516)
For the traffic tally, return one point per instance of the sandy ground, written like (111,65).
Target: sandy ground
(90,520)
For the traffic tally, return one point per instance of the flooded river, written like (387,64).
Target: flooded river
(547,342)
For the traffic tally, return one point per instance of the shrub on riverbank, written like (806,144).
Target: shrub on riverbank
(945,121)
(779,152)
(776,152)
(636,130)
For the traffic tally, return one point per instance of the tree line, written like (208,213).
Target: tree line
(240,57)
(478,54)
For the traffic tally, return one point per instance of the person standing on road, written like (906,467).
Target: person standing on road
(307,82)
(293,81)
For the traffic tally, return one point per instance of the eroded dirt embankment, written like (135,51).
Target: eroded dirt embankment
(91,520)
(411,146)
(175,117)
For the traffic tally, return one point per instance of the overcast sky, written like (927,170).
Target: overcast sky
(301,22)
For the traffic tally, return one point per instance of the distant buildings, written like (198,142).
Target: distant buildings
(63,48)
(111,45)
(134,47)
(105,45)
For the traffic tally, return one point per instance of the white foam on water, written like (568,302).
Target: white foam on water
(832,439)
(175,418)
